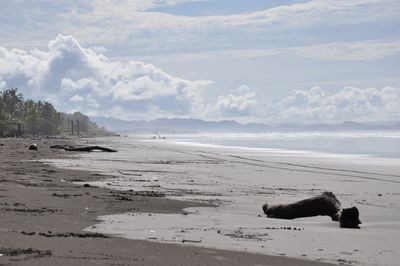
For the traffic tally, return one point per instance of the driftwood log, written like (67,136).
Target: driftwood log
(87,149)
(61,147)
(324,204)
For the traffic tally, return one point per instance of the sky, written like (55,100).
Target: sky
(277,61)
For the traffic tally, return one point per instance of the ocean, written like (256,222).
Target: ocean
(381,144)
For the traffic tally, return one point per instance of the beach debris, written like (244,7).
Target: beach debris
(124,195)
(131,174)
(350,218)
(239,234)
(61,195)
(66,195)
(91,148)
(26,210)
(190,241)
(72,234)
(61,147)
(28,233)
(19,251)
(324,204)
(86,149)
(33,147)
(284,228)
(157,135)
(65,234)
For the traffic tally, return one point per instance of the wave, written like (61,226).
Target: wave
(383,144)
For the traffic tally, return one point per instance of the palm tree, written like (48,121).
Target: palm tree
(12,102)
(50,117)
(1,102)
(30,116)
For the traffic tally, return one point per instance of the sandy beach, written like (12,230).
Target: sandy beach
(236,182)
(200,132)
(44,214)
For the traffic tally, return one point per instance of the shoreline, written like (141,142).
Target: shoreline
(44,214)
(329,141)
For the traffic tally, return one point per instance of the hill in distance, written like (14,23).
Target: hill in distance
(176,125)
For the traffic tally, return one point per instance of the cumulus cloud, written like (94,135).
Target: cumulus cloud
(238,103)
(350,104)
(75,78)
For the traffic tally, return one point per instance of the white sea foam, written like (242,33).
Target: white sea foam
(385,144)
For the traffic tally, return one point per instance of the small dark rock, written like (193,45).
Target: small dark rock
(33,147)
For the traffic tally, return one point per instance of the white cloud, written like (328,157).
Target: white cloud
(347,51)
(238,103)
(128,27)
(349,104)
(352,51)
(98,49)
(75,78)
(294,14)
(114,22)
(76,98)
(126,7)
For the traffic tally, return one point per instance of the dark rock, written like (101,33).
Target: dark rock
(33,147)
(350,218)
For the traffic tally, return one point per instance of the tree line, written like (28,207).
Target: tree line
(29,117)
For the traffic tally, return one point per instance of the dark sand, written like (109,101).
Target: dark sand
(42,215)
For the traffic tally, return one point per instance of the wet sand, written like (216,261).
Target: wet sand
(43,214)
